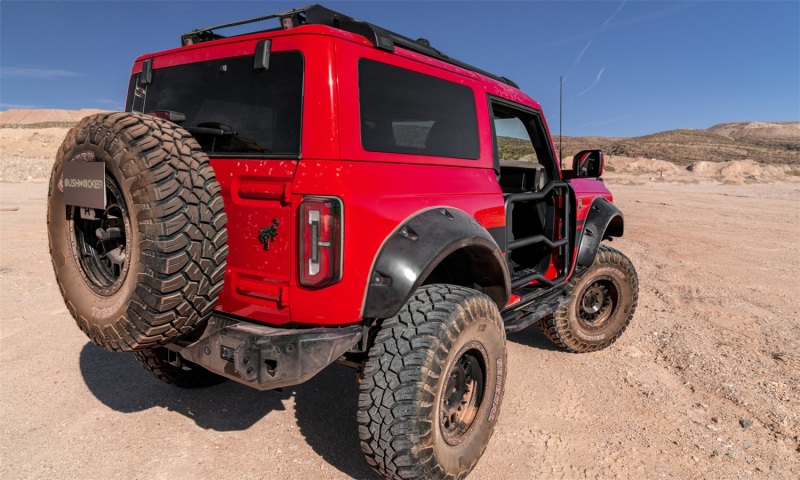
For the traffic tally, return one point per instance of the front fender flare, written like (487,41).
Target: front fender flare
(417,246)
(603,220)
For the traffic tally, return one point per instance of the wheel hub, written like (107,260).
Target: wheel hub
(597,303)
(463,393)
(100,240)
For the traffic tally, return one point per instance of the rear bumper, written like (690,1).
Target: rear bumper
(266,357)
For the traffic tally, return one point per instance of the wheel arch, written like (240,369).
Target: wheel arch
(604,220)
(436,245)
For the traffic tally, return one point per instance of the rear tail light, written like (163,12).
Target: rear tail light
(320,241)
(174,117)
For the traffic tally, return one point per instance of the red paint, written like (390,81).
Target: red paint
(378,190)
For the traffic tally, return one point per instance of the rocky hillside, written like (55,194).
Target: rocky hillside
(756,141)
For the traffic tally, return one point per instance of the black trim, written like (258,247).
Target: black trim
(603,220)
(499,236)
(146,77)
(529,311)
(261,61)
(416,248)
(319,15)
(495,150)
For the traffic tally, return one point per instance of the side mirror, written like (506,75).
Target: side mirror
(589,164)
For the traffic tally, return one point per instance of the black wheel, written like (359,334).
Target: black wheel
(604,299)
(149,267)
(433,385)
(171,368)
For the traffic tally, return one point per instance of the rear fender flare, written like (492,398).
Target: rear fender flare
(414,249)
(604,220)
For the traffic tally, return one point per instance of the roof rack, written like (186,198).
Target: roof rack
(319,15)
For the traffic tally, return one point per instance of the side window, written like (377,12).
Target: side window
(522,149)
(408,112)
(513,135)
(520,136)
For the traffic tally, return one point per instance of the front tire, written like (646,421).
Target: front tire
(603,301)
(433,385)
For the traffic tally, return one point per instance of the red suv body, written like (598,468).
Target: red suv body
(378,190)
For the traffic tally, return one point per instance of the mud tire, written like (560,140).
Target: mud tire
(174,245)
(402,401)
(572,328)
(186,375)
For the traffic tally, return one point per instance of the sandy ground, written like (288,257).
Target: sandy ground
(704,384)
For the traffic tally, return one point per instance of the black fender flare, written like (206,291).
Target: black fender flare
(604,220)
(414,249)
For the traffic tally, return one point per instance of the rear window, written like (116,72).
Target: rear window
(231,108)
(408,112)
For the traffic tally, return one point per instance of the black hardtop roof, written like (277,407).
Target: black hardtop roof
(319,15)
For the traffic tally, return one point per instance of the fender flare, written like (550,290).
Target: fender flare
(604,220)
(414,249)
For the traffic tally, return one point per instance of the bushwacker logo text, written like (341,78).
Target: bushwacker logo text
(83,183)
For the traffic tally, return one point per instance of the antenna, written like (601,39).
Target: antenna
(560,116)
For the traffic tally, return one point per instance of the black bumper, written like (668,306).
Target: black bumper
(266,357)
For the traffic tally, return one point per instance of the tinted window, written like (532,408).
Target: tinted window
(231,108)
(521,136)
(409,112)
(513,140)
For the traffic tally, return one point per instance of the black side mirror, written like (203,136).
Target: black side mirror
(589,164)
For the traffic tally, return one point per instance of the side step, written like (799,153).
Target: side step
(524,314)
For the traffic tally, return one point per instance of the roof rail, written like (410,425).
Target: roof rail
(319,15)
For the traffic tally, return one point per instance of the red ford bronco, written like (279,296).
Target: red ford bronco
(330,191)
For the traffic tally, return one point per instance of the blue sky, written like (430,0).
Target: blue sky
(630,67)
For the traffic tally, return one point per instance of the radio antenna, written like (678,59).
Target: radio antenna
(560,116)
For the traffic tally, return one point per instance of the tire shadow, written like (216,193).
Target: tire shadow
(325,409)
(120,382)
(325,406)
(531,336)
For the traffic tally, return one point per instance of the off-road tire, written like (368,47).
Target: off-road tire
(573,328)
(187,375)
(171,256)
(416,355)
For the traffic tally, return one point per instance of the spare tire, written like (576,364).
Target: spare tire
(149,267)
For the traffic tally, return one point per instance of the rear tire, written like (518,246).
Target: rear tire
(184,375)
(158,276)
(604,299)
(433,385)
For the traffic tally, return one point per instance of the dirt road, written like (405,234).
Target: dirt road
(705,383)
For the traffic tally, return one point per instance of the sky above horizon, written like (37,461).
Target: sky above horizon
(630,67)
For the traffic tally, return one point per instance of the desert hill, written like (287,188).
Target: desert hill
(768,143)
(759,130)
(43,118)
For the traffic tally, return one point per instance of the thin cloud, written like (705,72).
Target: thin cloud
(36,73)
(590,34)
(608,121)
(594,84)
(589,43)
(579,57)
(605,24)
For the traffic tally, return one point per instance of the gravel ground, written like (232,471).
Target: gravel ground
(704,384)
